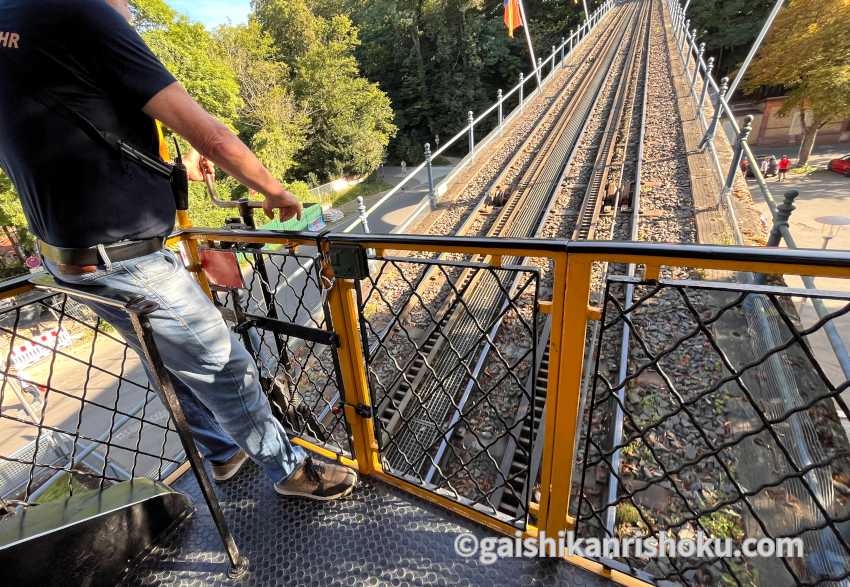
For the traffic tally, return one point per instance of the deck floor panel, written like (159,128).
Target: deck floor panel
(377,536)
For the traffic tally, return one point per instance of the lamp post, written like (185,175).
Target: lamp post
(831,226)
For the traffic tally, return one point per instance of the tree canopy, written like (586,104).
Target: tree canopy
(808,52)
(439,59)
(728,28)
(325,88)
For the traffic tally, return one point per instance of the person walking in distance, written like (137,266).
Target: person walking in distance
(73,74)
(772,166)
(784,166)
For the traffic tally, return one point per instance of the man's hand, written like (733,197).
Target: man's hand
(284,201)
(197,166)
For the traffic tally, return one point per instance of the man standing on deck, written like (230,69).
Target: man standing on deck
(72,71)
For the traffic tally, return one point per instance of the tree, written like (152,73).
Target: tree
(728,28)
(350,118)
(191,54)
(808,52)
(12,214)
(438,59)
(269,120)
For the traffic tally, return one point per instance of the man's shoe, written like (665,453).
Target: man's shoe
(227,470)
(318,480)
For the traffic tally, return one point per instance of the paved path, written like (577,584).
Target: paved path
(398,207)
(822,193)
(66,412)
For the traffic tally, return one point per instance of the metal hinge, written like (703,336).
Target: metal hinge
(363,411)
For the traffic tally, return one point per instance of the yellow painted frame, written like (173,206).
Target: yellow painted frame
(570,316)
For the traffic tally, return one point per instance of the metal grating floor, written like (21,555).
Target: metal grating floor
(377,536)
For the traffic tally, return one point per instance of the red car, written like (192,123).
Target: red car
(841,165)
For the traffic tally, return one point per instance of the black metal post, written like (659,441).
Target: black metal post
(139,311)
(718,112)
(783,214)
(260,267)
(737,156)
(432,194)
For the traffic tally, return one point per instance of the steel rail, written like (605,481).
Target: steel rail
(505,223)
(535,197)
(551,199)
(611,513)
(620,118)
(514,163)
(466,129)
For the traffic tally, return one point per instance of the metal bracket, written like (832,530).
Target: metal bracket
(349,261)
(364,411)
(289,329)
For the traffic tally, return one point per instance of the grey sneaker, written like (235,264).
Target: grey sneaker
(227,470)
(318,480)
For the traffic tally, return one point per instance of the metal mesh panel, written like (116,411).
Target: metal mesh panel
(76,408)
(450,353)
(300,376)
(725,423)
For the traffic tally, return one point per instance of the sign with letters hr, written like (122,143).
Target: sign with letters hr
(9,40)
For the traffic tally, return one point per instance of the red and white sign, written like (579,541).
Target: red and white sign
(26,353)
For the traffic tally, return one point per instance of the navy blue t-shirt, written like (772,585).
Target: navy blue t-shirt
(77,192)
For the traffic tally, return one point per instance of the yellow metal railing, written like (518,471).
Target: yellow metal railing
(571,267)
(572,295)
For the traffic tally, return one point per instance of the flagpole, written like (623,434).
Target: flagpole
(528,39)
(586,11)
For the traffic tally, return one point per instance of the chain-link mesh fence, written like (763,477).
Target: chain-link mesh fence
(76,409)
(731,428)
(451,351)
(283,299)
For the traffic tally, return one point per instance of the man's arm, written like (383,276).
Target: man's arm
(176,109)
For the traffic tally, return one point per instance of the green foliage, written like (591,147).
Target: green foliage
(202,212)
(373,185)
(438,59)
(301,191)
(191,54)
(59,489)
(728,28)
(724,523)
(269,120)
(628,514)
(12,214)
(807,53)
(350,119)
(310,85)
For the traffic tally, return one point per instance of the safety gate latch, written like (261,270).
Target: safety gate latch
(289,329)
(349,261)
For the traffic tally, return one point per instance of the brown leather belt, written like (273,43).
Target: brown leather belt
(88,260)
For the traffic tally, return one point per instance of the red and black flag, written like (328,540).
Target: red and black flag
(513,16)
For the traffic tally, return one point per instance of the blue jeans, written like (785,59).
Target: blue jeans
(214,376)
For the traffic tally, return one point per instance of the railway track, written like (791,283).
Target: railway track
(480,218)
(614,179)
(413,412)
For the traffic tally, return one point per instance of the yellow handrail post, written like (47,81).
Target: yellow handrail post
(566,350)
(190,249)
(355,383)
